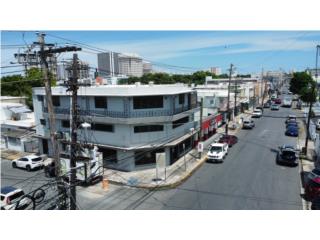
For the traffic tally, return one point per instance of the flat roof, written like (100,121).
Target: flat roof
(121,90)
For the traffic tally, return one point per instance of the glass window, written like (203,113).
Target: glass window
(100,102)
(148,102)
(149,157)
(38,159)
(65,123)
(108,155)
(102,127)
(148,128)
(40,98)
(43,122)
(180,122)
(181,98)
(56,101)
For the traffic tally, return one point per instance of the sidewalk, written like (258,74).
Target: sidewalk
(174,174)
(307,162)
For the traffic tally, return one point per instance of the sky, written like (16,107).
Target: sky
(184,51)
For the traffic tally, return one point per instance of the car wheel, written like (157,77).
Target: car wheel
(14,165)
(28,168)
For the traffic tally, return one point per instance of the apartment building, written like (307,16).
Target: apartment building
(129,124)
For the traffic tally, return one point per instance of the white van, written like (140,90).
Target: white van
(217,152)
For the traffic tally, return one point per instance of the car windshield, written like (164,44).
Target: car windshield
(246,122)
(286,153)
(16,195)
(316,171)
(257,111)
(215,149)
(36,159)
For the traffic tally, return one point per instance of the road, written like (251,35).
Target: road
(248,179)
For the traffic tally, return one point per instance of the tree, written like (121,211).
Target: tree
(299,82)
(18,85)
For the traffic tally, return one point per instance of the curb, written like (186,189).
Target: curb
(165,186)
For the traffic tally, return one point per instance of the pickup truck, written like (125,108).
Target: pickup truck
(217,152)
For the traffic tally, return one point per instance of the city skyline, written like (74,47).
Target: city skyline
(169,51)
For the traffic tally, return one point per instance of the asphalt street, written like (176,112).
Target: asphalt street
(248,179)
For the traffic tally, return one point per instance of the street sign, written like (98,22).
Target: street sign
(200,147)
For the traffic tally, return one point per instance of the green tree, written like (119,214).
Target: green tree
(299,82)
(18,85)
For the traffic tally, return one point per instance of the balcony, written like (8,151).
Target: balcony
(118,114)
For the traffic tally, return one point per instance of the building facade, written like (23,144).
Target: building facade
(130,65)
(108,64)
(215,70)
(130,124)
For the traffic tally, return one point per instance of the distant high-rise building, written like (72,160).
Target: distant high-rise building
(64,71)
(130,65)
(215,70)
(108,64)
(113,64)
(147,67)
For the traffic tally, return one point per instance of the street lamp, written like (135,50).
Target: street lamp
(312,88)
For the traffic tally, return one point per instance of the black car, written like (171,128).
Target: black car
(287,156)
(315,203)
(267,105)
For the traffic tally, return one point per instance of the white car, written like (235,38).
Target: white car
(257,113)
(29,162)
(217,152)
(10,197)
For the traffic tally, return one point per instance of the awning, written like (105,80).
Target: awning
(22,109)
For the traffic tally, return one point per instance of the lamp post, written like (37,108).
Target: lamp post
(312,88)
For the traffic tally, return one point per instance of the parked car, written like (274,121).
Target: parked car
(266,105)
(318,124)
(291,118)
(260,108)
(292,131)
(292,124)
(312,185)
(248,124)
(287,155)
(217,152)
(315,203)
(229,139)
(29,162)
(257,113)
(11,196)
(277,101)
(273,97)
(274,107)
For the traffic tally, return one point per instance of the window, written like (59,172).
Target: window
(181,98)
(143,157)
(102,127)
(108,155)
(40,98)
(65,123)
(180,122)
(100,102)
(148,128)
(43,122)
(148,102)
(23,159)
(56,101)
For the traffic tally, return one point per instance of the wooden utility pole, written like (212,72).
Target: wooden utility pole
(73,87)
(47,84)
(47,50)
(228,103)
(235,97)
(201,118)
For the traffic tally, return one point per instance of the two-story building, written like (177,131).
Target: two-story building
(128,123)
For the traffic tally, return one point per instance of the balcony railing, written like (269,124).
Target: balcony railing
(118,114)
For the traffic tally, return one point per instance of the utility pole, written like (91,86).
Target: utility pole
(261,84)
(235,96)
(73,87)
(47,84)
(47,51)
(201,118)
(228,103)
(310,104)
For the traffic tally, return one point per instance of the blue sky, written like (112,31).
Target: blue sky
(249,51)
